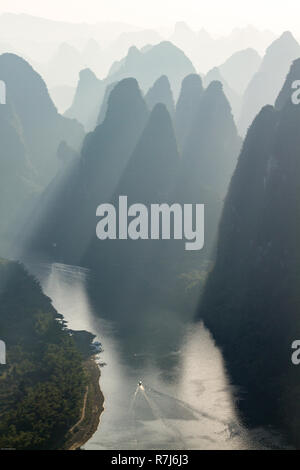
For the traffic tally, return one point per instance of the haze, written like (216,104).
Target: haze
(217,16)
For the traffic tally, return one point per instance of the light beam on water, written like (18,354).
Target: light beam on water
(193,407)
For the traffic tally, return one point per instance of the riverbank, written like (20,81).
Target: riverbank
(91,411)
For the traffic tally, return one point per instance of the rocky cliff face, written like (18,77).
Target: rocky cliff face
(251,301)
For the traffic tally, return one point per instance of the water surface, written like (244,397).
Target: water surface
(186,400)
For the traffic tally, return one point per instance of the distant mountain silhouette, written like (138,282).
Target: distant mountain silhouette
(161,59)
(193,44)
(66,61)
(140,277)
(64,66)
(209,156)
(152,170)
(138,39)
(87,100)
(41,126)
(66,219)
(31,132)
(268,81)
(187,106)
(239,69)
(133,155)
(145,66)
(161,92)
(251,301)
(234,98)
(211,148)
(92,57)
(249,37)
(131,272)
(197,44)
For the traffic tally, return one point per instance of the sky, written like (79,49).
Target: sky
(217,16)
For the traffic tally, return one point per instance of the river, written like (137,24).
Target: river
(185,401)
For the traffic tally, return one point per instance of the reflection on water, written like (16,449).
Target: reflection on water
(185,401)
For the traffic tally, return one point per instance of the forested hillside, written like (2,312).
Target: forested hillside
(43,383)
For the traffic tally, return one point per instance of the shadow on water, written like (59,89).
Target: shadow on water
(186,400)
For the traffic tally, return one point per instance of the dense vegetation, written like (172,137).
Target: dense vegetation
(154,150)
(43,383)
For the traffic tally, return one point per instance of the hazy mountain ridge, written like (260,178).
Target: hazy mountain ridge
(239,69)
(196,44)
(268,81)
(128,154)
(146,67)
(161,92)
(31,132)
(90,179)
(187,106)
(37,115)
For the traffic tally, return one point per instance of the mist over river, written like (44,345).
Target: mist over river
(186,400)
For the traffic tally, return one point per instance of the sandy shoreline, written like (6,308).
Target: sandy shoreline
(92,409)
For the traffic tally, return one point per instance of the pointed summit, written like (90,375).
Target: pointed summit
(125,102)
(87,77)
(93,178)
(145,66)
(161,59)
(268,81)
(150,174)
(31,99)
(132,56)
(161,92)
(285,48)
(285,95)
(87,99)
(286,40)
(64,66)
(210,151)
(239,69)
(215,88)
(131,270)
(234,99)
(40,125)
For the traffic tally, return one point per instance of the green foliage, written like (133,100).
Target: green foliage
(42,385)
